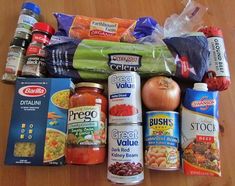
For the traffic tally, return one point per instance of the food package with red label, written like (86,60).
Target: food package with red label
(217,76)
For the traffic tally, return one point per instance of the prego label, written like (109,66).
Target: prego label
(85,126)
(125,154)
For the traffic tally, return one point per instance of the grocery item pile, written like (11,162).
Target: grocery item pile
(62,113)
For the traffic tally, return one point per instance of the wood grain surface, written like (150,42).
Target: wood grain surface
(220,13)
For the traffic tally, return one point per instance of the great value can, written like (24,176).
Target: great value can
(125,154)
(162,140)
(124,98)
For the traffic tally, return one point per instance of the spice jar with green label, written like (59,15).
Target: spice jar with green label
(87,124)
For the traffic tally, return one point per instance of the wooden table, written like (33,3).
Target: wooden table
(220,13)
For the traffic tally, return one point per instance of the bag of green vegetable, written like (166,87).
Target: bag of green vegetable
(103,57)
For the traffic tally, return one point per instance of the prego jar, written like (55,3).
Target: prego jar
(87,125)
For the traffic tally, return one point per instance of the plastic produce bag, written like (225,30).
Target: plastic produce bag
(176,25)
(59,55)
(189,20)
(112,29)
(191,53)
(97,59)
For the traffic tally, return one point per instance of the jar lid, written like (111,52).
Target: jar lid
(23,43)
(200,86)
(90,84)
(31,6)
(44,27)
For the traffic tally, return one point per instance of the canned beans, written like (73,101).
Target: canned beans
(156,157)
(162,140)
(126,169)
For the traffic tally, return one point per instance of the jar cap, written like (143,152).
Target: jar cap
(90,84)
(44,27)
(31,6)
(200,86)
(23,43)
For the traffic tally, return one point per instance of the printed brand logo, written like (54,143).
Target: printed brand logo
(161,124)
(123,81)
(204,103)
(32,91)
(124,62)
(125,138)
(84,114)
(100,33)
(40,38)
(184,66)
(105,26)
(100,28)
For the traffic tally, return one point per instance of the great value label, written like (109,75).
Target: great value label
(125,154)
(124,98)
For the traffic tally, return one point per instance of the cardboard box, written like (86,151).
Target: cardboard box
(39,121)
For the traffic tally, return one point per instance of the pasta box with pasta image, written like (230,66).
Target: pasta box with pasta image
(38,125)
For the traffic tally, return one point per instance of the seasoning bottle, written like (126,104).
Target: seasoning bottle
(87,120)
(15,59)
(29,15)
(35,56)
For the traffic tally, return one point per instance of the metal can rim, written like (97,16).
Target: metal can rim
(125,124)
(132,183)
(163,169)
(119,72)
(158,111)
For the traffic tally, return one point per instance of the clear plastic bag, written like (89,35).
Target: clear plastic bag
(188,21)
(178,34)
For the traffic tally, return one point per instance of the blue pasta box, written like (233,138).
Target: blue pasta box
(38,125)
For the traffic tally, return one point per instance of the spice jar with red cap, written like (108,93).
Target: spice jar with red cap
(35,56)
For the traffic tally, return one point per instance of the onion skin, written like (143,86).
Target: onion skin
(161,93)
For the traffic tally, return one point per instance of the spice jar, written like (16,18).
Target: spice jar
(35,56)
(29,15)
(87,123)
(15,59)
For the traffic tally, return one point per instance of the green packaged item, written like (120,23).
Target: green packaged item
(105,57)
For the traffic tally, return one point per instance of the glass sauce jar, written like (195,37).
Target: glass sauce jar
(87,125)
